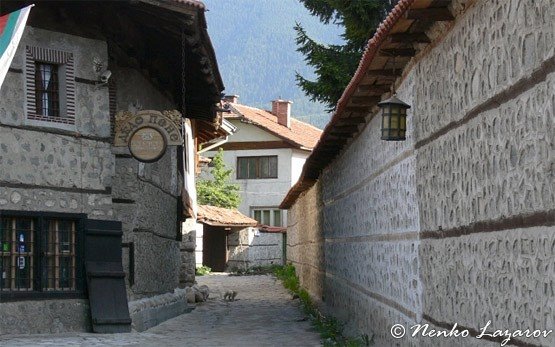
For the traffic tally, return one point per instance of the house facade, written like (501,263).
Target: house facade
(97,162)
(454,225)
(266,153)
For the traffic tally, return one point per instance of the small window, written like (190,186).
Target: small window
(47,97)
(257,167)
(50,86)
(268,216)
(39,254)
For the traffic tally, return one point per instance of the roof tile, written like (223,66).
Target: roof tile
(301,134)
(219,216)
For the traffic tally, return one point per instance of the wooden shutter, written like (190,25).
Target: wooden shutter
(105,277)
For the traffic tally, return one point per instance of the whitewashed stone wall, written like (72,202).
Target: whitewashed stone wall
(245,249)
(456,224)
(46,167)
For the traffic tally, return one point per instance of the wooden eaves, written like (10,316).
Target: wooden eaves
(397,40)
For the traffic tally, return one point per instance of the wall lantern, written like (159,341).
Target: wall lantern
(394,119)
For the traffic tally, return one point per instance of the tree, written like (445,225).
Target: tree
(218,191)
(334,65)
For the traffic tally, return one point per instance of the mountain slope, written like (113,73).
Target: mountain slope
(256,51)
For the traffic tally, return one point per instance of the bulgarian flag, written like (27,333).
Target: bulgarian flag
(11,29)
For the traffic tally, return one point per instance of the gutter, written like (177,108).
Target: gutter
(226,126)
(221,141)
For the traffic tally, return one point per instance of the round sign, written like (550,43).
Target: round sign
(147,144)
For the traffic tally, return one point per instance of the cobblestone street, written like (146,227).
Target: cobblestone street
(262,315)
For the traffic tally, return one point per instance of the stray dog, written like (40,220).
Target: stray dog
(230,295)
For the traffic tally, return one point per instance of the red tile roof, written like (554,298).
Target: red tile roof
(225,217)
(301,135)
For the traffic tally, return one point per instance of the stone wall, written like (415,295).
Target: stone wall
(187,248)
(146,196)
(266,249)
(44,317)
(248,248)
(55,167)
(369,207)
(492,194)
(454,225)
(305,242)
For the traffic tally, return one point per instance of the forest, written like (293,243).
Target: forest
(257,54)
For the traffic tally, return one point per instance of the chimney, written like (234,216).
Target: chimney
(282,110)
(231,98)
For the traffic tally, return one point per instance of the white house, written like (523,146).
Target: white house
(267,154)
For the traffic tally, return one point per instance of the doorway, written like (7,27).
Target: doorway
(214,246)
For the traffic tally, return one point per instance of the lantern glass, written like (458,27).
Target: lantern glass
(394,121)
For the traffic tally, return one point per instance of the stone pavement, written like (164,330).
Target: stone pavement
(262,315)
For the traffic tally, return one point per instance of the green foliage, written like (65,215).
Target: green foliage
(202,270)
(255,270)
(256,51)
(334,65)
(218,191)
(330,329)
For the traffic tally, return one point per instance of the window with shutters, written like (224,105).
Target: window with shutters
(40,254)
(50,86)
(257,167)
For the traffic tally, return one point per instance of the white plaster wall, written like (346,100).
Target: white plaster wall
(198,244)
(297,162)
(262,192)
(249,132)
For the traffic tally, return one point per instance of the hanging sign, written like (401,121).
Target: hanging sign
(148,133)
(147,144)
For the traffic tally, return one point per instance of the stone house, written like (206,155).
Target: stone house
(456,224)
(267,153)
(97,164)
(227,240)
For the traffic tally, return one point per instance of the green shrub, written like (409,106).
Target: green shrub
(254,270)
(202,270)
(330,329)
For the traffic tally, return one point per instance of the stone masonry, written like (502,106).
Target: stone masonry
(442,228)
(75,169)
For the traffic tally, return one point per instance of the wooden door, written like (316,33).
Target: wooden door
(214,248)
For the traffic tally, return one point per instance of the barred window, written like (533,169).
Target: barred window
(60,255)
(39,254)
(17,237)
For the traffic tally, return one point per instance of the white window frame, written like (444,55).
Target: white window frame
(272,214)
